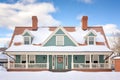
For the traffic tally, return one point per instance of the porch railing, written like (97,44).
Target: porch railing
(91,66)
(37,65)
(28,66)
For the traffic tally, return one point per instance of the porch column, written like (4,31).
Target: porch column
(26,66)
(109,63)
(8,62)
(72,63)
(47,61)
(90,62)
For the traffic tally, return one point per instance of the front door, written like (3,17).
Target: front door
(60,62)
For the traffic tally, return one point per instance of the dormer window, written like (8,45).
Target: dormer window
(28,37)
(59,40)
(91,40)
(27,40)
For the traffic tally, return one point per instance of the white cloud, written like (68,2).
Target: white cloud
(20,13)
(86,1)
(110,29)
(27,1)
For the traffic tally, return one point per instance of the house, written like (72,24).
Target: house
(59,48)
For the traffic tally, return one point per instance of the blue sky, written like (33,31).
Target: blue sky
(58,12)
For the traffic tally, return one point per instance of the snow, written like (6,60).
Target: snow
(117,57)
(40,35)
(55,48)
(2,69)
(79,35)
(18,38)
(71,75)
(43,33)
(3,56)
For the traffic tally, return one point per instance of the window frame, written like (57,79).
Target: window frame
(59,41)
(87,58)
(95,58)
(88,40)
(32,57)
(28,40)
(22,58)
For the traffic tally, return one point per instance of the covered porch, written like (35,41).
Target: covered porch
(59,61)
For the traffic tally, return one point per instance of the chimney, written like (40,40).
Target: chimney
(34,22)
(84,22)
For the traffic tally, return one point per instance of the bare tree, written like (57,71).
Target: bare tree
(116,43)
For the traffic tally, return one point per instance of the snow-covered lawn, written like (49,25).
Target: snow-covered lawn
(71,75)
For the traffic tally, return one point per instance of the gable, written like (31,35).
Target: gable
(52,41)
(91,34)
(60,32)
(26,34)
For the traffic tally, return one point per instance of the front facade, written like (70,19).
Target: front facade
(59,48)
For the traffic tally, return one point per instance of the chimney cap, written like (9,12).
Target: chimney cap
(84,17)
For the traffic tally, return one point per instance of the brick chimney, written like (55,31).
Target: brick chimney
(84,22)
(34,23)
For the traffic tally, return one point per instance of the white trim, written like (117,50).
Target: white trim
(29,39)
(58,53)
(94,43)
(47,61)
(27,31)
(8,62)
(26,61)
(59,39)
(32,56)
(90,32)
(54,34)
(21,57)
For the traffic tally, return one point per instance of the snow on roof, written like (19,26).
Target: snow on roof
(43,33)
(117,57)
(40,35)
(58,48)
(18,38)
(71,75)
(79,35)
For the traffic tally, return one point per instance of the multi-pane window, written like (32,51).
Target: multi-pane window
(87,58)
(23,58)
(91,40)
(31,59)
(27,40)
(59,40)
(95,58)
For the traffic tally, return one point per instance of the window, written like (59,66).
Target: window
(23,59)
(27,40)
(59,40)
(95,58)
(91,40)
(87,58)
(31,59)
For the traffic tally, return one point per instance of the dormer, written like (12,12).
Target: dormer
(91,37)
(27,37)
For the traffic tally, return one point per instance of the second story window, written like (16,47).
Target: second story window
(91,40)
(59,40)
(27,40)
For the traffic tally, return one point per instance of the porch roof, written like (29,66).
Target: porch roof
(60,48)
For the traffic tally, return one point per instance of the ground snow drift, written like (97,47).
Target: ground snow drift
(72,75)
